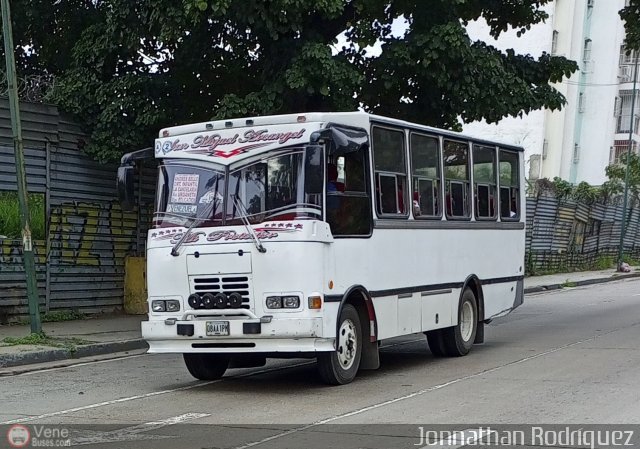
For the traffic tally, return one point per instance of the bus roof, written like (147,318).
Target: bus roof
(356,118)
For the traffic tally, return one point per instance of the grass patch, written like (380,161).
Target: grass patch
(604,263)
(568,284)
(10,225)
(43,339)
(631,261)
(61,315)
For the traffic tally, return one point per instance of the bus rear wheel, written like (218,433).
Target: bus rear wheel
(206,366)
(458,340)
(340,367)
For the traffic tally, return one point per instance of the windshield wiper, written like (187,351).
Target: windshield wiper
(197,219)
(243,216)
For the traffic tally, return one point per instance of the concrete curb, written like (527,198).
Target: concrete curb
(545,288)
(56,354)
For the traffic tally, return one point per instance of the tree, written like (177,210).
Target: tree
(631,17)
(617,172)
(127,69)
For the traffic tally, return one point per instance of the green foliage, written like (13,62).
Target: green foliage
(10,225)
(127,69)
(631,261)
(568,284)
(604,263)
(631,16)
(564,190)
(42,339)
(617,172)
(61,315)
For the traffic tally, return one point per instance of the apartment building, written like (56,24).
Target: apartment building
(592,130)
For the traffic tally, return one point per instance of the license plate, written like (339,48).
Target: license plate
(217,328)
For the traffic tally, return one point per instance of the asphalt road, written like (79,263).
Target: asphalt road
(567,357)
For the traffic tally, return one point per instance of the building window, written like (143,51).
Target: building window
(582,102)
(576,152)
(484,181)
(620,149)
(554,42)
(624,122)
(390,171)
(586,53)
(627,58)
(456,173)
(509,169)
(425,176)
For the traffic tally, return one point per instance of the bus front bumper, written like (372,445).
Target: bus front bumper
(243,336)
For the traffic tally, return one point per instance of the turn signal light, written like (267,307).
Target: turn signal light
(315,302)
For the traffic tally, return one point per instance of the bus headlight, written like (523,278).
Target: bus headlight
(274,302)
(158,306)
(291,302)
(173,305)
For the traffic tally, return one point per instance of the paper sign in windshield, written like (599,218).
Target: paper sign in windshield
(185,188)
(185,209)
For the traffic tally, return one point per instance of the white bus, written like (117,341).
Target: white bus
(322,234)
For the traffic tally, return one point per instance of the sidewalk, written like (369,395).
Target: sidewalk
(72,340)
(112,334)
(536,284)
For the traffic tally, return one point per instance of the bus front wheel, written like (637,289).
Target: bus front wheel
(459,339)
(206,366)
(340,367)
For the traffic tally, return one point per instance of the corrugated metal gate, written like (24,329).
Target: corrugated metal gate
(564,235)
(80,264)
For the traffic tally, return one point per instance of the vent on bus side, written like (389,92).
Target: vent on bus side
(223,284)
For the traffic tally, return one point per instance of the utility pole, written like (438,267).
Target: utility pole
(626,174)
(18,146)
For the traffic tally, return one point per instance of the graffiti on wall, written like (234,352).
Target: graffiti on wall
(91,234)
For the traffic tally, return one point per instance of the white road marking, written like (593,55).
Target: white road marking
(6,373)
(132,433)
(158,393)
(146,395)
(422,392)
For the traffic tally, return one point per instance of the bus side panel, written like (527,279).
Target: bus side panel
(437,312)
(409,313)
(498,299)
(387,315)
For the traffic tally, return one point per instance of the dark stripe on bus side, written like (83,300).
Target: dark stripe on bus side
(426,288)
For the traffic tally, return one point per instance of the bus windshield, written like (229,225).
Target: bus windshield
(271,188)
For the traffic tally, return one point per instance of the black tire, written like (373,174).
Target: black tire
(206,366)
(436,343)
(331,365)
(458,340)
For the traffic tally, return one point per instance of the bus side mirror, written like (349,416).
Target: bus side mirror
(126,187)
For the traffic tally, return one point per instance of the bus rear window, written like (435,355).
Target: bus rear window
(509,183)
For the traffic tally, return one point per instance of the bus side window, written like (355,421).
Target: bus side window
(425,174)
(390,171)
(509,185)
(456,172)
(348,201)
(484,179)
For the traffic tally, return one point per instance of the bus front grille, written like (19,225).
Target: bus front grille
(223,284)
